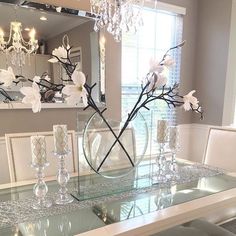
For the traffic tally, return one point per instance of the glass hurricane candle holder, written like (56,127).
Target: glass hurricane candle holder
(40,188)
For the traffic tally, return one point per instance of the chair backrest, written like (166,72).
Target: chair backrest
(19,155)
(221,148)
(4,170)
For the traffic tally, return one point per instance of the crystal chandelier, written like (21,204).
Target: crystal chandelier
(117,16)
(16,47)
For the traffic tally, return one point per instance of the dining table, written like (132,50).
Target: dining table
(134,205)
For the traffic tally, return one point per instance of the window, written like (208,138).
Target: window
(161,30)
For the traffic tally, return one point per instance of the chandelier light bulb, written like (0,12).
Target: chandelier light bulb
(1,33)
(32,34)
(103,40)
(16,48)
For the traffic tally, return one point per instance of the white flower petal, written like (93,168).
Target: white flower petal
(190,101)
(53,60)
(73,100)
(78,78)
(27,100)
(7,77)
(32,96)
(26,90)
(36,106)
(47,78)
(187,106)
(168,62)
(69,89)
(35,87)
(37,79)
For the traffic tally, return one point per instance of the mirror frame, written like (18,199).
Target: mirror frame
(45,7)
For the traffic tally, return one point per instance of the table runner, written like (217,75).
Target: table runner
(19,211)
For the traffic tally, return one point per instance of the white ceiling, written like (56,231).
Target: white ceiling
(55,25)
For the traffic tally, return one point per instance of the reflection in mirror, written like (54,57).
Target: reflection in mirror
(30,33)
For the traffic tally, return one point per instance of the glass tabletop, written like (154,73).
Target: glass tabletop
(104,213)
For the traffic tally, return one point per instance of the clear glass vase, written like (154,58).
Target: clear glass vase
(112,150)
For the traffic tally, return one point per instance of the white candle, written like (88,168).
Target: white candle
(60,139)
(173,137)
(162,126)
(38,149)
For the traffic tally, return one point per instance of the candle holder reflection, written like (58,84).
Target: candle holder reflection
(65,226)
(164,198)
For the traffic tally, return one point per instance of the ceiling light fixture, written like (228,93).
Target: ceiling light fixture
(117,16)
(17,47)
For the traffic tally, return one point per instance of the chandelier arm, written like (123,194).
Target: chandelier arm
(10,37)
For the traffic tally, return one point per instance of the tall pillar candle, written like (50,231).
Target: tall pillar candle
(38,149)
(173,137)
(162,126)
(60,139)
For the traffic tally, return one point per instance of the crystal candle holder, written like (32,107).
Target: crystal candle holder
(173,145)
(40,188)
(162,134)
(63,197)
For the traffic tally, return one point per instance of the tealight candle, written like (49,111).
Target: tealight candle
(173,136)
(60,139)
(38,149)
(162,126)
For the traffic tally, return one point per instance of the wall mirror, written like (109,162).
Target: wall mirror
(51,24)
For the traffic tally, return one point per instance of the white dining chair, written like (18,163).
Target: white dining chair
(4,170)
(19,155)
(220,152)
(221,149)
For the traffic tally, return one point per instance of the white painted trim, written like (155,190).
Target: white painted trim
(165,7)
(230,84)
(19,105)
(158,221)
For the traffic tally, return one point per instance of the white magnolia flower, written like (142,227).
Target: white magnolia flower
(154,66)
(60,52)
(77,91)
(32,96)
(190,100)
(157,81)
(47,78)
(7,77)
(36,79)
